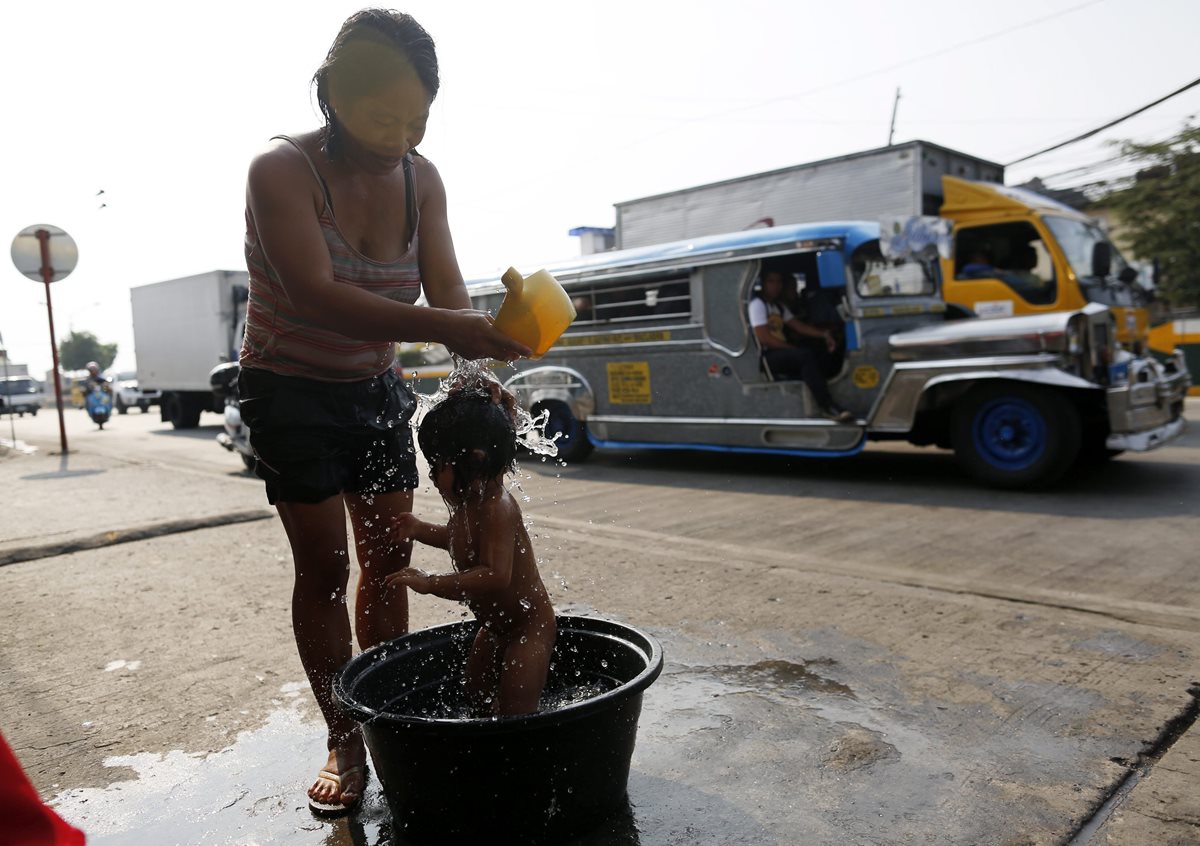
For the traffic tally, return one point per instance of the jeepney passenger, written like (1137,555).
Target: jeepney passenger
(769,316)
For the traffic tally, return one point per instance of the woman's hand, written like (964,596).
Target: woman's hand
(471,334)
(409,577)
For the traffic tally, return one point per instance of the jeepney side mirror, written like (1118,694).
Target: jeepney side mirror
(1128,275)
(1101,259)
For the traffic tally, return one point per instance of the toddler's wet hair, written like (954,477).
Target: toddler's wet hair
(462,423)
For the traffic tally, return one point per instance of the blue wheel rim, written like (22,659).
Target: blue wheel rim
(1009,433)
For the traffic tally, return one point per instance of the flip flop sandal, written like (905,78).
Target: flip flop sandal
(336,809)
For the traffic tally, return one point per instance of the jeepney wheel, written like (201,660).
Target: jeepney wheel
(1015,435)
(573,444)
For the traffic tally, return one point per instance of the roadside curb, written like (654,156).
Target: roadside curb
(117,536)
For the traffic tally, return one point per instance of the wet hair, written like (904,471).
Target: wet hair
(462,423)
(361,71)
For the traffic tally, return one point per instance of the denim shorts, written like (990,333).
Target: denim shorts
(315,439)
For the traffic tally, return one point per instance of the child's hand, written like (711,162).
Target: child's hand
(404,528)
(410,577)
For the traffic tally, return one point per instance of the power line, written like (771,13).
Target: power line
(887,68)
(1108,125)
(1085,169)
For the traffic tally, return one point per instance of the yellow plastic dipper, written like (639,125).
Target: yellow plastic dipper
(535,311)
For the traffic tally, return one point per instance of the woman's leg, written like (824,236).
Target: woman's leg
(317,534)
(380,612)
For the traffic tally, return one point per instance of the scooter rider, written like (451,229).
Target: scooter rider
(96,379)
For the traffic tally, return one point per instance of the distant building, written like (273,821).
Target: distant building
(11,368)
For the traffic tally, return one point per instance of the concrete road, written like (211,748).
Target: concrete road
(871,650)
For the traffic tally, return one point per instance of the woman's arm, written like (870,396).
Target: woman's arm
(282,201)
(441,278)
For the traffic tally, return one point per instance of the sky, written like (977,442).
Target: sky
(549,113)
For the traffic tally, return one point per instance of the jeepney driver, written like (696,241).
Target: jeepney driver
(768,317)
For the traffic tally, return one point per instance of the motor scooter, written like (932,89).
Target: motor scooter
(236,438)
(99,402)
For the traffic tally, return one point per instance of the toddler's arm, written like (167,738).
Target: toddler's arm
(493,551)
(408,527)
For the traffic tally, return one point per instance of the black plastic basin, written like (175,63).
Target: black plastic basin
(528,779)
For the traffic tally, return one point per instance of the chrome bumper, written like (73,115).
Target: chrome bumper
(1146,411)
(1143,441)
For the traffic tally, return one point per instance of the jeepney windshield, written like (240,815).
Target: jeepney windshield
(876,276)
(1077,240)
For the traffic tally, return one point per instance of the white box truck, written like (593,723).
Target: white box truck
(182,329)
(897,181)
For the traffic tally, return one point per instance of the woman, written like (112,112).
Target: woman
(346,225)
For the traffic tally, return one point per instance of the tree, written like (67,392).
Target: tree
(1160,211)
(78,348)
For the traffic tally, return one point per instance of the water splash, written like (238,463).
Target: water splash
(476,374)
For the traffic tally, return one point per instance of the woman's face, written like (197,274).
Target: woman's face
(384,126)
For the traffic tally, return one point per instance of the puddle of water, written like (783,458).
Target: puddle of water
(250,794)
(780,677)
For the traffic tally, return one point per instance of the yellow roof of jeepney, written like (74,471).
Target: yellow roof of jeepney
(965,196)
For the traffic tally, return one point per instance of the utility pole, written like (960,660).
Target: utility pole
(895,106)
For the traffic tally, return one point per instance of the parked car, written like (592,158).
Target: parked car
(129,395)
(20,394)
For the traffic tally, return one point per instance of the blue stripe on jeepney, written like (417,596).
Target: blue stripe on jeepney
(799,453)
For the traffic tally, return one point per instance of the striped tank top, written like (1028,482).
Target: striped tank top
(279,340)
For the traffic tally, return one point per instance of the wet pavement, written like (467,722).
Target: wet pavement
(732,748)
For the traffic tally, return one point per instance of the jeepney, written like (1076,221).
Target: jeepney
(661,355)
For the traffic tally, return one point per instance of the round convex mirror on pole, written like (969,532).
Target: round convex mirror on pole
(46,254)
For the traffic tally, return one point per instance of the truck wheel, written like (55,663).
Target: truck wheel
(573,444)
(122,408)
(181,412)
(1015,435)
